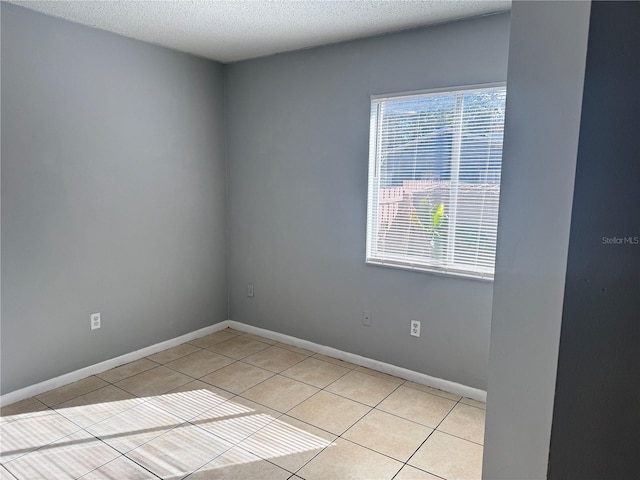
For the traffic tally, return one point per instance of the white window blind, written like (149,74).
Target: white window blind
(434,180)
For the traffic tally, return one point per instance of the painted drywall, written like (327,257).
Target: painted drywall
(596,420)
(298,138)
(547,54)
(113,196)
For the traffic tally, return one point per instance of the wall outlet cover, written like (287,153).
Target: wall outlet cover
(415,328)
(95,321)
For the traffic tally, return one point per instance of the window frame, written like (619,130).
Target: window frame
(374,157)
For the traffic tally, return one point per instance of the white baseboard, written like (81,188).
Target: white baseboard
(422,378)
(76,375)
(439,383)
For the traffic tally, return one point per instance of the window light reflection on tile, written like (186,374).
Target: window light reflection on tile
(45,444)
(69,457)
(238,428)
(134,427)
(227,409)
(282,439)
(120,469)
(179,451)
(30,432)
(86,415)
(235,456)
(23,409)
(188,404)
(239,464)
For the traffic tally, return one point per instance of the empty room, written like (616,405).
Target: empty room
(323,239)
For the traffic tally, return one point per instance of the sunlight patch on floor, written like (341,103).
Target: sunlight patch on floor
(154,432)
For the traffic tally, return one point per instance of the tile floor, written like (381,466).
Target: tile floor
(236,406)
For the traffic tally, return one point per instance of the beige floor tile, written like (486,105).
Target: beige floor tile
(178,452)
(275,359)
(127,370)
(237,377)
(191,399)
(433,391)
(280,393)
(234,331)
(32,431)
(21,409)
(388,434)
(449,457)
(96,406)
(335,361)
(67,392)
(174,353)
(348,460)
(210,340)
(238,347)
(238,464)
(156,381)
(153,431)
(411,473)
(466,422)
(67,458)
(383,376)
(473,403)
(293,348)
(330,412)
(236,419)
(134,427)
(362,388)
(200,363)
(120,469)
(315,372)
(417,406)
(260,339)
(288,442)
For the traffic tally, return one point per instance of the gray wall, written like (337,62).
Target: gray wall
(546,74)
(113,195)
(599,356)
(298,128)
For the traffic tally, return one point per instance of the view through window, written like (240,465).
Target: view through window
(434,180)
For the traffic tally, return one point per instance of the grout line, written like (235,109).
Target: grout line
(7,472)
(143,400)
(71,398)
(121,455)
(310,384)
(459,402)
(340,436)
(417,468)
(429,436)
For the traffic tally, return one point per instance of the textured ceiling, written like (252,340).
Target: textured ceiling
(232,30)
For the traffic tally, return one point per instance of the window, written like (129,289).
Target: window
(434,180)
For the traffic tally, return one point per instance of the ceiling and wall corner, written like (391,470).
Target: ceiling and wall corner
(113,196)
(229,31)
(298,160)
(94,101)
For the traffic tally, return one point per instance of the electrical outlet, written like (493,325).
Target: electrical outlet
(415,328)
(366,319)
(250,290)
(95,321)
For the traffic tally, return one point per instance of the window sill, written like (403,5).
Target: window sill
(444,272)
